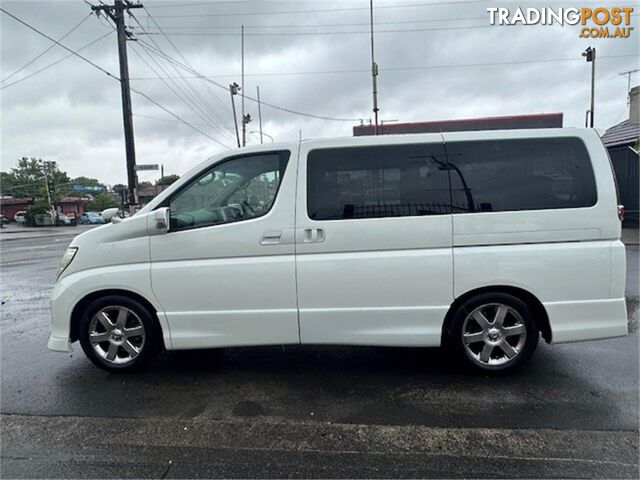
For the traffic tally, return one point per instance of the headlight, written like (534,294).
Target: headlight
(66,260)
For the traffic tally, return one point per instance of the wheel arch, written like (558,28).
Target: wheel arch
(76,313)
(536,306)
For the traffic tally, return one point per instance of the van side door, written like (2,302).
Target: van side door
(373,242)
(224,273)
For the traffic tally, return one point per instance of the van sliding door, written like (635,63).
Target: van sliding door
(373,242)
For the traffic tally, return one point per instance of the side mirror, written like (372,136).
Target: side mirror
(160,221)
(110,213)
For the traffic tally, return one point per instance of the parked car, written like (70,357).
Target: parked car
(478,241)
(91,218)
(19,216)
(63,219)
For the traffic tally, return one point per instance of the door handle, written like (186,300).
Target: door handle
(313,235)
(272,237)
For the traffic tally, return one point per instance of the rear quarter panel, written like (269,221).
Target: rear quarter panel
(564,257)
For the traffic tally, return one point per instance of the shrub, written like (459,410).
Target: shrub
(32,211)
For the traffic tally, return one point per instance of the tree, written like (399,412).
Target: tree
(101,202)
(142,185)
(168,179)
(85,181)
(28,179)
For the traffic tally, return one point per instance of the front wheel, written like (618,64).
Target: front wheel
(494,332)
(119,334)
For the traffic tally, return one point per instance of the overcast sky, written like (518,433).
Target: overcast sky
(442,66)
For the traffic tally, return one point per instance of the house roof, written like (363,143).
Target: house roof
(623,133)
(15,200)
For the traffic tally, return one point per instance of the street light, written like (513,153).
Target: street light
(263,133)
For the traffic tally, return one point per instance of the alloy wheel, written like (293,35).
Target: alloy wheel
(494,334)
(116,334)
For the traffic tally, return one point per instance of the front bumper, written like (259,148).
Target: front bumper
(61,302)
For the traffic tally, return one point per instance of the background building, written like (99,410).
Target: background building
(539,120)
(622,142)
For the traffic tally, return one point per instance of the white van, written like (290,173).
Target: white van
(479,241)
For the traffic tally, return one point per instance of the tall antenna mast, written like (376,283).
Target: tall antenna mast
(628,73)
(244,124)
(374,71)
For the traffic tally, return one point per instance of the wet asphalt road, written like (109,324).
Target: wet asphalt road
(304,411)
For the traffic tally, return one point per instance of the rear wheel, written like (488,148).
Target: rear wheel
(494,332)
(119,334)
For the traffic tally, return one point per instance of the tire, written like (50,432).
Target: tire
(119,334)
(493,333)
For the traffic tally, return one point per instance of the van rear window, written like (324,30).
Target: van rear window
(522,174)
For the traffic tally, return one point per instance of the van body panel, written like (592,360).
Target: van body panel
(587,319)
(580,269)
(71,289)
(406,296)
(381,281)
(618,270)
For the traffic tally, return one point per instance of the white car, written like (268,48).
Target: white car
(63,219)
(478,241)
(19,216)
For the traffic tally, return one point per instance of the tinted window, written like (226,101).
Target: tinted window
(526,174)
(239,189)
(380,181)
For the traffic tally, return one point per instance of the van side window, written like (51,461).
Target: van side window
(523,174)
(377,181)
(238,189)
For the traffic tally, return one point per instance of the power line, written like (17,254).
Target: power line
(195,4)
(296,34)
(224,105)
(46,49)
(329,10)
(144,95)
(183,96)
(151,117)
(82,57)
(46,67)
(317,25)
(195,105)
(216,118)
(262,102)
(95,65)
(391,69)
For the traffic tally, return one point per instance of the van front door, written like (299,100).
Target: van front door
(374,242)
(224,273)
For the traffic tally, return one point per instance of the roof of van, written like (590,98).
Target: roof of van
(407,137)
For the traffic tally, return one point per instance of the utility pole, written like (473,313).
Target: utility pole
(48,183)
(244,126)
(374,71)
(116,13)
(233,89)
(590,55)
(259,113)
